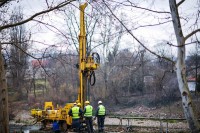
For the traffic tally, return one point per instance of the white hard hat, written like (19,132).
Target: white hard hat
(99,102)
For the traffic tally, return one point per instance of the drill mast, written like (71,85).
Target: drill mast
(86,63)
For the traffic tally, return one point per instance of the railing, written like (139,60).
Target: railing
(162,123)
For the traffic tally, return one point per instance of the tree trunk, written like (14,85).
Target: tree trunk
(181,70)
(34,86)
(4,119)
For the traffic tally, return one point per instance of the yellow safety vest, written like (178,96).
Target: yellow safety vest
(102,110)
(88,111)
(75,113)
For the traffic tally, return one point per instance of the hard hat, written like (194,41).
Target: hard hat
(87,102)
(79,104)
(75,103)
(99,102)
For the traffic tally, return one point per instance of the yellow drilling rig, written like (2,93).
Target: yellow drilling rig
(87,65)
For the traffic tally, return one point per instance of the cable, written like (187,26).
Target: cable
(92,74)
(96,57)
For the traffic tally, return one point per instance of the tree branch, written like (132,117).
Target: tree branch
(3,2)
(142,8)
(37,14)
(135,37)
(171,44)
(149,25)
(21,50)
(178,4)
(189,70)
(192,33)
(46,24)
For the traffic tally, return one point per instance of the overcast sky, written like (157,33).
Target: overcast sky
(149,35)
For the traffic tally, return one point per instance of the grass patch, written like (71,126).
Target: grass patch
(41,82)
(172,121)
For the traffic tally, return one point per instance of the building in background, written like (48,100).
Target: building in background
(191,84)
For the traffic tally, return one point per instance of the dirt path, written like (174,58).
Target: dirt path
(127,125)
(118,125)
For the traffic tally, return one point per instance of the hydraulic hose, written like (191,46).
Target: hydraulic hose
(96,57)
(92,75)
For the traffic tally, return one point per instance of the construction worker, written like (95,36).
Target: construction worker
(79,105)
(76,112)
(88,116)
(100,114)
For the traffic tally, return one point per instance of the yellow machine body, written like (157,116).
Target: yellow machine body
(36,113)
(51,114)
(48,106)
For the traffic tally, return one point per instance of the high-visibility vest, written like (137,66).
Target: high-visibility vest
(75,113)
(102,110)
(88,111)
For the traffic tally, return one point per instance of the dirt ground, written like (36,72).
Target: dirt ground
(122,125)
(22,116)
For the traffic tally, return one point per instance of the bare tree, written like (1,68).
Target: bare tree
(17,60)
(193,64)
(4,117)
(110,39)
(181,67)
(4,106)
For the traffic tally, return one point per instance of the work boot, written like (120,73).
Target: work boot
(101,131)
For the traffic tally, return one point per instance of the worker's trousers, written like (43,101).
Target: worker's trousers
(76,124)
(88,121)
(100,120)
